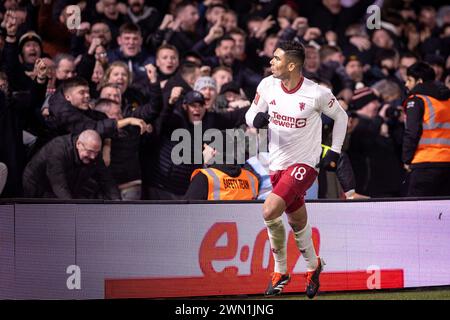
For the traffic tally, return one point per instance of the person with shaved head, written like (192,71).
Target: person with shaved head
(65,165)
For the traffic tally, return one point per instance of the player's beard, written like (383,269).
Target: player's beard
(279,75)
(274,74)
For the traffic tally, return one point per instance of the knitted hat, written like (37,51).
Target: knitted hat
(204,82)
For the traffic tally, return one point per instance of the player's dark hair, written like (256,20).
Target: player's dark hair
(421,70)
(294,51)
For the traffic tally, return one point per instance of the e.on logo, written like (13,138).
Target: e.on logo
(210,251)
(234,256)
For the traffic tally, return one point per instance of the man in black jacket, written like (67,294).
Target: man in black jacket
(426,142)
(169,180)
(185,77)
(64,165)
(70,112)
(122,155)
(19,55)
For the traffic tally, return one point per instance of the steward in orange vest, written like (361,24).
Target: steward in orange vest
(434,143)
(223,182)
(426,142)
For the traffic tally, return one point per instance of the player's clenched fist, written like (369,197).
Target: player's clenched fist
(261,120)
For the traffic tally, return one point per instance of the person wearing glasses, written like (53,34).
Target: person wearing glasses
(63,167)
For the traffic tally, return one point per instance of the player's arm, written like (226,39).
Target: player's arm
(413,128)
(257,115)
(329,105)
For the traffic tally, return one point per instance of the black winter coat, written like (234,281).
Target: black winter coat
(56,171)
(17,78)
(65,118)
(12,151)
(175,178)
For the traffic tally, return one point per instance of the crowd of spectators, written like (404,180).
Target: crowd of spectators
(133,71)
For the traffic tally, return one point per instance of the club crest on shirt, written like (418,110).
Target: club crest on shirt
(331,102)
(301,106)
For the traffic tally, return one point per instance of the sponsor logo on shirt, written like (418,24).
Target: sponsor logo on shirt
(287,121)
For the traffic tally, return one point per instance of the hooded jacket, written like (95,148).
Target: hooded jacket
(414,107)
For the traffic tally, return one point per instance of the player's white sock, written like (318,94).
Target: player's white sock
(277,237)
(303,238)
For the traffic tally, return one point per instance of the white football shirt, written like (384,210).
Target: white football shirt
(295,128)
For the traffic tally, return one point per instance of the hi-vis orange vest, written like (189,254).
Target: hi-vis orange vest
(223,187)
(434,144)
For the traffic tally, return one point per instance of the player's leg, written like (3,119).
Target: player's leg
(273,208)
(298,220)
(301,177)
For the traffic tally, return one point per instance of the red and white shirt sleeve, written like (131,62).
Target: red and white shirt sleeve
(258,104)
(329,105)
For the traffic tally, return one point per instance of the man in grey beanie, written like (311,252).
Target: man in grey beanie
(207,86)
